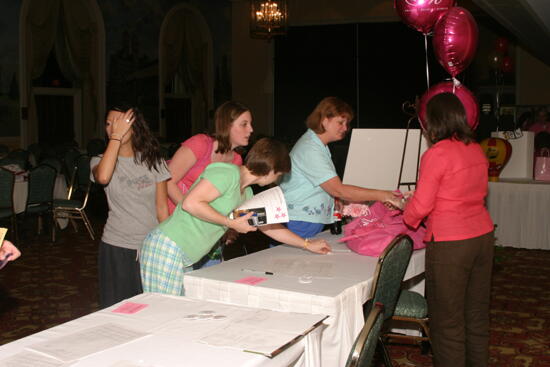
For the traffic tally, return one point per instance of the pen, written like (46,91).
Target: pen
(257,271)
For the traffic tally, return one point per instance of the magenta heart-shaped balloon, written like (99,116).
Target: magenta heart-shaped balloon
(467,98)
(455,40)
(422,14)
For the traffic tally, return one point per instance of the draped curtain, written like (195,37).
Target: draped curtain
(79,33)
(184,58)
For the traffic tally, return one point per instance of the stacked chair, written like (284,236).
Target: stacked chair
(7,210)
(388,276)
(362,351)
(40,192)
(73,207)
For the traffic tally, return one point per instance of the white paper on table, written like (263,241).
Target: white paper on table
(277,321)
(89,341)
(133,364)
(30,359)
(269,207)
(292,267)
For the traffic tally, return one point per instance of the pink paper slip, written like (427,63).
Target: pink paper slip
(251,280)
(130,308)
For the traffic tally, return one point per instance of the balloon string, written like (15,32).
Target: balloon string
(427,68)
(456,83)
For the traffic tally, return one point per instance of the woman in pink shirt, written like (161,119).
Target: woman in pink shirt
(450,193)
(233,123)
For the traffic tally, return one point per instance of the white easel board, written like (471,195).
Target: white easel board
(374,157)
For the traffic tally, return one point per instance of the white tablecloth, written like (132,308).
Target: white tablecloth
(173,341)
(521,211)
(340,295)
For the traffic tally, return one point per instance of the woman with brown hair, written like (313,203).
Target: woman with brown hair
(233,127)
(202,218)
(451,193)
(312,184)
(233,121)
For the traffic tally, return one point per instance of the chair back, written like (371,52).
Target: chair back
(362,351)
(20,155)
(7,182)
(9,161)
(53,162)
(41,184)
(4,150)
(80,181)
(36,151)
(390,272)
(69,162)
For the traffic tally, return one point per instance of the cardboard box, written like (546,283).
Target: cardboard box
(520,164)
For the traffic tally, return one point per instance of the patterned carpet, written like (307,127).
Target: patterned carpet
(54,283)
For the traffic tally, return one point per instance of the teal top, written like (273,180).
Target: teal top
(311,166)
(194,236)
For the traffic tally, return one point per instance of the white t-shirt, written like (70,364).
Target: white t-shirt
(131,195)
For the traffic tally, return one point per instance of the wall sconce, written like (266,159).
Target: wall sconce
(268,18)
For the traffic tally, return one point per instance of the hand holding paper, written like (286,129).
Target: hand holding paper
(241,224)
(8,252)
(267,207)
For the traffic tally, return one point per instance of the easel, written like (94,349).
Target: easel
(407,108)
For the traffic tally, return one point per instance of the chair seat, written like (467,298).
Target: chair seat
(64,203)
(37,208)
(411,304)
(5,213)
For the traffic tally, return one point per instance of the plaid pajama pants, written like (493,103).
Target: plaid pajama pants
(163,264)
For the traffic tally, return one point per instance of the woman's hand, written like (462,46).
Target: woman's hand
(241,224)
(122,124)
(8,251)
(392,199)
(319,246)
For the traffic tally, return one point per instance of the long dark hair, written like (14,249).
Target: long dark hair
(446,119)
(146,147)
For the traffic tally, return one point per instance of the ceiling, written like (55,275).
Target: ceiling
(527,20)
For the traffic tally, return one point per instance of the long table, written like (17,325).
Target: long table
(521,211)
(337,285)
(174,337)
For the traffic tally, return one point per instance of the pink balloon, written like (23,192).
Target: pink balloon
(467,98)
(422,14)
(507,64)
(501,45)
(455,40)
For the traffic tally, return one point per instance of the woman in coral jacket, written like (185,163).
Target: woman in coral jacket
(450,192)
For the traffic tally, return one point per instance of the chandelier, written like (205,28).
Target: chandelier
(268,18)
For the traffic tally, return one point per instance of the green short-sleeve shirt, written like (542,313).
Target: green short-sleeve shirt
(195,236)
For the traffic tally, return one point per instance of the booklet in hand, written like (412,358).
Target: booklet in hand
(268,206)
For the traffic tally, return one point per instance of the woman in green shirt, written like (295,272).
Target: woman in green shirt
(202,218)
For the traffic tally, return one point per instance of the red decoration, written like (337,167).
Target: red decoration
(455,40)
(498,152)
(507,64)
(422,14)
(501,45)
(467,98)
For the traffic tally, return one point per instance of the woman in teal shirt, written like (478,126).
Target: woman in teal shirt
(202,218)
(312,184)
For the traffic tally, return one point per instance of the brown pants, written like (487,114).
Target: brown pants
(458,286)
